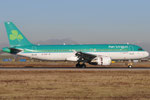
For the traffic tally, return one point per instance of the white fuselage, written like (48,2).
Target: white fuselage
(63,56)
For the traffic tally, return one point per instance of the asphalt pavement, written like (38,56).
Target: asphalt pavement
(73,68)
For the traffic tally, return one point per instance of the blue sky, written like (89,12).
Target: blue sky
(85,21)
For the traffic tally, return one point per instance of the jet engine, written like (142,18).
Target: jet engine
(101,60)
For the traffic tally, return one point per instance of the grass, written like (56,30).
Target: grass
(75,85)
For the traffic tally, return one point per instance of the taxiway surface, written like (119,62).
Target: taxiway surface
(73,68)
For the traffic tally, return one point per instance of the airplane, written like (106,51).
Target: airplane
(94,54)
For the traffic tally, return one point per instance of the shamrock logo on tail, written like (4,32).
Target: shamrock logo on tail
(15,35)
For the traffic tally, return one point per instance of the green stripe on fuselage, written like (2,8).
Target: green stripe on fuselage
(83,48)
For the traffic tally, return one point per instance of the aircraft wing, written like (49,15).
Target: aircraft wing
(85,57)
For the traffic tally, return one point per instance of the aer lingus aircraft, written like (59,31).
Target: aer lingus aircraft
(95,54)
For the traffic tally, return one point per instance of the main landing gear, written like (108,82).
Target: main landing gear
(78,65)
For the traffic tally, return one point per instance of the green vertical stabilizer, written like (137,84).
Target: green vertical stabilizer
(15,37)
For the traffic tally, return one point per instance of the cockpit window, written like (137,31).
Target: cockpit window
(140,49)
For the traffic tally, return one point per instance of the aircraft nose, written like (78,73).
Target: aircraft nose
(146,54)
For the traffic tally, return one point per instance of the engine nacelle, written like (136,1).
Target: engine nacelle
(102,60)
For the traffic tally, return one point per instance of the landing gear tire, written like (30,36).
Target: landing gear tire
(83,66)
(130,66)
(80,65)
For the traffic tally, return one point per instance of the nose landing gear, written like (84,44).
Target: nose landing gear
(130,65)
